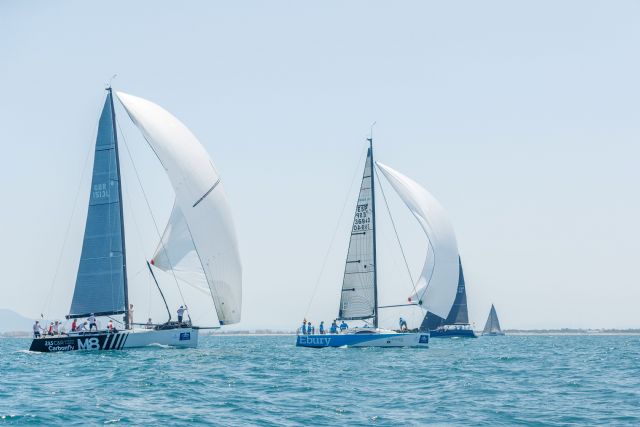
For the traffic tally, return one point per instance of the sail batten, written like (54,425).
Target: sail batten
(357,301)
(199,242)
(101,279)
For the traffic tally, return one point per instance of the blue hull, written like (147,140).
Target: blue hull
(462,333)
(364,340)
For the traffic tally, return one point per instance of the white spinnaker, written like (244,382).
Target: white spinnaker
(201,226)
(438,282)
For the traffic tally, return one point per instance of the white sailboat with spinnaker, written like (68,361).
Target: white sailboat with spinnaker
(435,289)
(198,247)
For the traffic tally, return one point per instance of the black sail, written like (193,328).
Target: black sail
(101,280)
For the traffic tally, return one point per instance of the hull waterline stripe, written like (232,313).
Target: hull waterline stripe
(124,340)
(116,341)
(105,346)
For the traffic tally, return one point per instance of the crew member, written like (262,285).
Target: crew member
(110,326)
(36,329)
(149,324)
(403,325)
(334,328)
(82,327)
(304,327)
(343,326)
(181,311)
(322,331)
(56,328)
(130,315)
(92,322)
(74,325)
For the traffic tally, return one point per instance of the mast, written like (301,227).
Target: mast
(127,321)
(373,220)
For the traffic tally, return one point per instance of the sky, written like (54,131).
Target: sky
(521,118)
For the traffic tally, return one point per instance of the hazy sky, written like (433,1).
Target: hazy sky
(522,118)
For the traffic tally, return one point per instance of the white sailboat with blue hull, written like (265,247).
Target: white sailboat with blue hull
(199,244)
(435,289)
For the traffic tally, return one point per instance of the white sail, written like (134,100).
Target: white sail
(357,300)
(200,241)
(438,282)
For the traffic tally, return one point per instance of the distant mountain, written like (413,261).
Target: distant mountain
(10,321)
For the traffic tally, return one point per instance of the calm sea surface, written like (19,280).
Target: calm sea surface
(528,380)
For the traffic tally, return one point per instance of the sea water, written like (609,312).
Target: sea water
(266,380)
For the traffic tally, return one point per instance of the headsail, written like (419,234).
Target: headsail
(358,285)
(459,315)
(438,282)
(200,239)
(101,279)
(493,325)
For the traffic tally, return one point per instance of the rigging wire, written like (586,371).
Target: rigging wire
(140,241)
(155,224)
(335,232)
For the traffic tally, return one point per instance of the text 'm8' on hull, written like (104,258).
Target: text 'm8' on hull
(178,337)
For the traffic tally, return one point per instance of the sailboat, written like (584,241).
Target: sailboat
(456,324)
(492,327)
(435,289)
(199,243)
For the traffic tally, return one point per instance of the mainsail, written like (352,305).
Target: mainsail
(493,325)
(458,315)
(101,280)
(438,282)
(358,299)
(199,243)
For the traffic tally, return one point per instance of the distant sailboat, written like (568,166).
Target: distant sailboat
(492,327)
(199,243)
(456,324)
(359,297)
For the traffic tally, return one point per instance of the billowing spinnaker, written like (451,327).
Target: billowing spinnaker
(201,225)
(438,282)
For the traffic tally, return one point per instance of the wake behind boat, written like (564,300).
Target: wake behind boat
(435,289)
(198,246)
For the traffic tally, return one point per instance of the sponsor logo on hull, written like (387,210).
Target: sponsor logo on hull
(368,340)
(314,341)
(111,341)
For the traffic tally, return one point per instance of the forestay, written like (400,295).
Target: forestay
(199,242)
(438,282)
(100,281)
(358,300)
